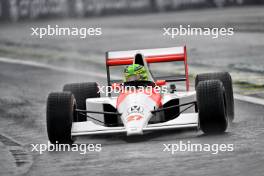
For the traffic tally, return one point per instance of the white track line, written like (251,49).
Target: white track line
(51,67)
(248,99)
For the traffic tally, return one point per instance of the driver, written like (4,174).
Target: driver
(135,72)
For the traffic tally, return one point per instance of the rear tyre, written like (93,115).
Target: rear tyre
(211,106)
(81,92)
(226,79)
(60,114)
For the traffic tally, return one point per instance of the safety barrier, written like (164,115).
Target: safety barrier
(13,10)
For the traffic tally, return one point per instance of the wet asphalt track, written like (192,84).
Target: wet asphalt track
(22,113)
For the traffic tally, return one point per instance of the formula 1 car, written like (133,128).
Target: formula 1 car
(79,109)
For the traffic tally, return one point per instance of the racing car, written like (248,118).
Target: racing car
(80,110)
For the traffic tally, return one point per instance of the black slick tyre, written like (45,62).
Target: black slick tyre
(226,79)
(211,106)
(59,117)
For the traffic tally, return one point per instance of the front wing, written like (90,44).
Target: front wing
(186,120)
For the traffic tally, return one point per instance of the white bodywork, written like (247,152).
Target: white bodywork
(135,120)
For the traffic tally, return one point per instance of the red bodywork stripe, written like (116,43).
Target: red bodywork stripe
(156,97)
(121,98)
(186,70)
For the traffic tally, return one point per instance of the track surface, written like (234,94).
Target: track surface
(23,95)
(240,54)
(24,90)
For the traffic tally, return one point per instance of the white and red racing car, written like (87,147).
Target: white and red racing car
(79,109)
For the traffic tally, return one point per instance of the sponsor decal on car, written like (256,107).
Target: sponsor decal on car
(135,109)
(134,118)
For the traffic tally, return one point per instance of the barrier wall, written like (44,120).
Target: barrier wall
(13,10)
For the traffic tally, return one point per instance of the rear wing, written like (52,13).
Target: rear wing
(173,54)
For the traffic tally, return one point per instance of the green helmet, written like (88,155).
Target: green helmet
(135,72)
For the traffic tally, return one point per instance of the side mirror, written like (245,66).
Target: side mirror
(160,82)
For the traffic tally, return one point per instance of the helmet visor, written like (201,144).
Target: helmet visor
(133,78)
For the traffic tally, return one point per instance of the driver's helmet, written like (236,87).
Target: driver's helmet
(135,72)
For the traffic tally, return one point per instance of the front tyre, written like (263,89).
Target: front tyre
(226,79)
(211,106)
(60,113)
